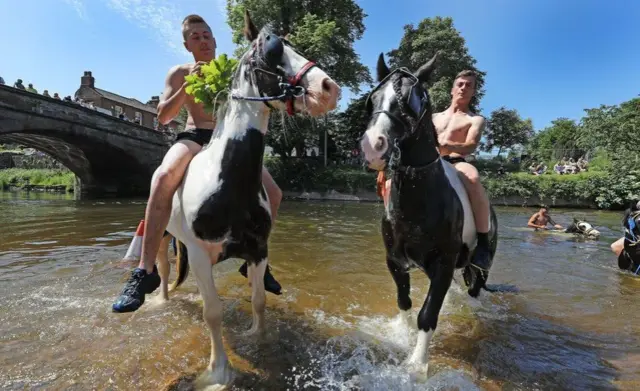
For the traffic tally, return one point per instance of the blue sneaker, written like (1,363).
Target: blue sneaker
(140,283)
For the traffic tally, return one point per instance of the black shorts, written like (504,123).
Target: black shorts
(625,262)
(197,135)
(454,160)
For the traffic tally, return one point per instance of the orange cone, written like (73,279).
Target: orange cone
(135,248)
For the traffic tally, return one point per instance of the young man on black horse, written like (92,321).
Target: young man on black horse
(459,131)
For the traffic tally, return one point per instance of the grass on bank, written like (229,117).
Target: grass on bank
(19,177)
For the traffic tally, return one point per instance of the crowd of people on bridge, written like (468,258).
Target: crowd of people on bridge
(89,105)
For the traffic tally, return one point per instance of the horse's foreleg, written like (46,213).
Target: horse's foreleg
(403,285)
(164,267)
(218,371)
(428,316)
(258,296)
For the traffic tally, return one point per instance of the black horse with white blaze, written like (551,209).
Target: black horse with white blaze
(428,222)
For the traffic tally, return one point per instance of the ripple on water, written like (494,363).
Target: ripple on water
(571,326)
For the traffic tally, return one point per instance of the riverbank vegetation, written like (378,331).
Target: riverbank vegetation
(599,188)
(23,178)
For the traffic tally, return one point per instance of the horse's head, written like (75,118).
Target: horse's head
(276,69)
(400,121)
(583,228)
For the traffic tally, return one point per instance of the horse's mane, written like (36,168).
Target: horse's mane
(244,66)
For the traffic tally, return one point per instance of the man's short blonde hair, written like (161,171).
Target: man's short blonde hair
(189,20)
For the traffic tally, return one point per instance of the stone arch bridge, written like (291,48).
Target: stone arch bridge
(108,155)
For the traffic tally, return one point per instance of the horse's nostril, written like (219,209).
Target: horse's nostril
(379,144)
(328,85)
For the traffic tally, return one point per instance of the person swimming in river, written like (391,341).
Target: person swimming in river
(541,219)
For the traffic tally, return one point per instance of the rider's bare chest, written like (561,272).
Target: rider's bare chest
(454,125)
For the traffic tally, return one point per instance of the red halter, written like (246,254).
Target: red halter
(293,81)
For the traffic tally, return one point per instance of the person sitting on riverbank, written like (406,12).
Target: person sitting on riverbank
(558,168)
(541,219)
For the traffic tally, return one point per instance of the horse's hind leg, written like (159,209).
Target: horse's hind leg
(258,296)
(428,316)
(218,371)
(163,266)
(403,285)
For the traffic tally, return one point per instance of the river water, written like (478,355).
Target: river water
(573,324)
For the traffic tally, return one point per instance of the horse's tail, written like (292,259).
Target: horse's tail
(182,266)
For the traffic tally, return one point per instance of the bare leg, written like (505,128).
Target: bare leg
(617,246)
(164,184)
(163,267)
(480,205)
(274,193)
(145,279)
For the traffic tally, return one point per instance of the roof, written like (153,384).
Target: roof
(126,101)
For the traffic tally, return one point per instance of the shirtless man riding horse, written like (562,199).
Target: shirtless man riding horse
(199,40)
(459,131)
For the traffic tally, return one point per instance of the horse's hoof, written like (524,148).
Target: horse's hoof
(215,379)
(416,366)
(254,331)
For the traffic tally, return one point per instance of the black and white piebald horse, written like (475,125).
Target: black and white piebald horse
(428,222)
(581,227)
(222,210)
(629,258)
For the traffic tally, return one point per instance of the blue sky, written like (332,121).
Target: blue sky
(545,58)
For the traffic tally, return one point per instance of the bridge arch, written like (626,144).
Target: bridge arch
(106,153)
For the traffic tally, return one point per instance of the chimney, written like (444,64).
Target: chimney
(154,101)
(87,80)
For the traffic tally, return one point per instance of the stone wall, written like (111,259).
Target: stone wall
(367,196)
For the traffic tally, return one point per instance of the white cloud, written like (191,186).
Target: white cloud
(78,6)
(160,17)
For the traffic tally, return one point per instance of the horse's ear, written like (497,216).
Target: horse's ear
(425,71)
(381,68)
(250,30)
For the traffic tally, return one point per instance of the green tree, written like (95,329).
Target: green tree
(350,124)
(557,141)
(183,115)
(612,128)
(420,43)
(323,30)
(505,129)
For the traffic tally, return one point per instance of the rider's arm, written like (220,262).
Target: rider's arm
(473,138)
(173,96)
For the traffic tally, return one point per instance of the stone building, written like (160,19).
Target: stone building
(131,109)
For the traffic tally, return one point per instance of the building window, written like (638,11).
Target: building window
(118,110)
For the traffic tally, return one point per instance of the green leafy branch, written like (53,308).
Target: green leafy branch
(213,83)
